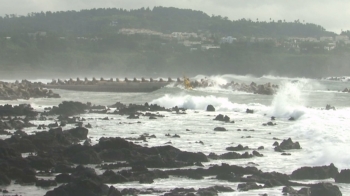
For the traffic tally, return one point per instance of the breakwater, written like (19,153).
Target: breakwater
(111,85)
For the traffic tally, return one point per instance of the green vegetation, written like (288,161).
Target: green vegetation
(89,42)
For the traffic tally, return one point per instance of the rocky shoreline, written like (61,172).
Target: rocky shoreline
(66,155)
(24,90)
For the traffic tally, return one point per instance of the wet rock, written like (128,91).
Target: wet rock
(89,126)
(191,157)
(46,183)
(219,129)
(343,176)
(39,163)
(248,186)
(69,108)
(257,154)
(289,190)
(210,108)
(114,192)
(211,191)
(79,154)
(79,132)
(63,168)
(329,107)
(80,188)
(323,172)
(286,154)
(234,155)
(4,180)
(249,111)
(239,147)
(231,177)
(222,118)
(291,119)
(287,145)
(111,177)
(18,110)
(325,189)
(133,116)
(63,178)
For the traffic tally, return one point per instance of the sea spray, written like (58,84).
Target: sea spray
(193,102)
(289,100)
(201,102)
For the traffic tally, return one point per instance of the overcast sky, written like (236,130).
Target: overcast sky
(334,15)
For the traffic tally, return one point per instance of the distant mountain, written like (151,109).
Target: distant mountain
(166,20)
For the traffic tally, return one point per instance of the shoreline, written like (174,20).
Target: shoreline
(140,165)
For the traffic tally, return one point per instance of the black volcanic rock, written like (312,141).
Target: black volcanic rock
(80,188)
(222,118)
(80,154)
(63,178)
(79,132)
(324,189)
(111,177)
(20,110)
(4,180)
(46,183)
(287,145)
(249,111)
(248,186)
(239,147)
(219,129)
(69,108)
(343,176)
(191,157)
(210,108)
(39,163)
(323,172)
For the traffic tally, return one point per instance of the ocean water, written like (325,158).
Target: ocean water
(322,134)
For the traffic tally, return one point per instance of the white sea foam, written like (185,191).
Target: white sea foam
(201,102)
(289,101)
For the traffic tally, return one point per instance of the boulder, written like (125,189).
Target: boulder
(325,189)
(46,183)
(111,177)
(63,178)
(80,188)
(223,118)
(317,173)
(210,108)
(239,147)
(79,133)
(343,176)
(191,157)
(248,186)
(249,111)
(219,129)
(287,145)
(80,154)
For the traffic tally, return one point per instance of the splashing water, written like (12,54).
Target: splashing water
(289,100)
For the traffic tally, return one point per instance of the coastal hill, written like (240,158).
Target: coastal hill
(165,42)
(166,20)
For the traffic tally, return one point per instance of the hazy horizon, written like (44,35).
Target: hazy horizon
(332,15)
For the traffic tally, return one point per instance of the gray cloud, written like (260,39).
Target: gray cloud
(332,15)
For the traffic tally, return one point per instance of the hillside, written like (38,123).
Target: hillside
(90,43)
(166,20)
